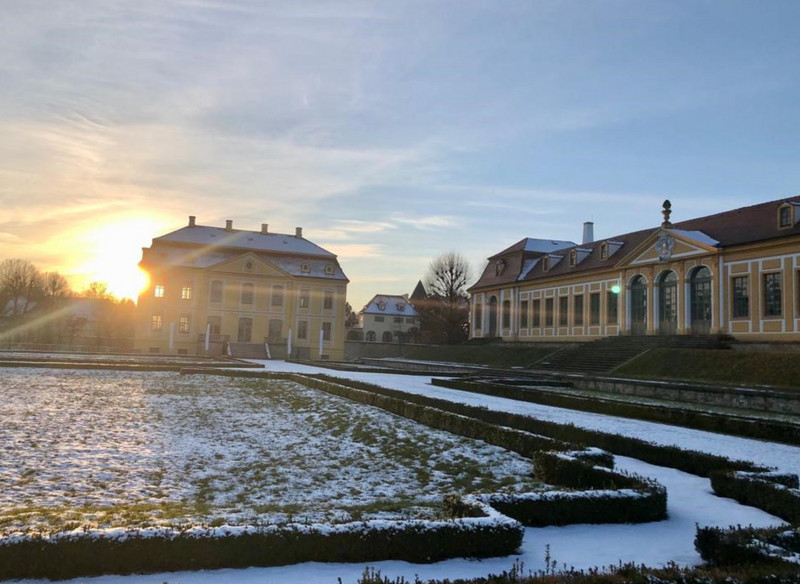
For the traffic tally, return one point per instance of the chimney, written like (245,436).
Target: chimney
(191,220)
(265,228)
(588,232)
(229,225)
(298,232)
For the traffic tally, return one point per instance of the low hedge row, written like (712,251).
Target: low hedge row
(691,461)
(774,430)
(612,497)
(749,545)
(774,493)
(88,554)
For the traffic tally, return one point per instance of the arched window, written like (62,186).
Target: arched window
(371,336)
(387,337)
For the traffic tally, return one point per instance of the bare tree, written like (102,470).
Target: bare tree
(445,313)
(98,290)
(21,282)
(55,286)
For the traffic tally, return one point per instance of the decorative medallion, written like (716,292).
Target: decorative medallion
(665,245)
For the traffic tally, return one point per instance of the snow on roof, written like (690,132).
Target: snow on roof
(546,245)
(390,305)
(697,236)
(253,240)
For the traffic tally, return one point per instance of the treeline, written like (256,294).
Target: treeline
(39,309)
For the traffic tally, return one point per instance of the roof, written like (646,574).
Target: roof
(535,245)
(220,237)
(729,228)
(389,305)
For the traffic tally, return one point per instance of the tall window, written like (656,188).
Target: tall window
(183,323)
(327,301)
(612,310)
(537,317)
(578,305)
(563,310)
(216,324)
(275,330)
(215,295)
(326,331)
(478,316)
(304,298)
(773,301)
(523,314)
(156,323)
(158,291)
(302,329)
(245,330)
(186,291)
(506,313)
(248,291)
(594,309)
(277,296)
(741,297)
(548,312)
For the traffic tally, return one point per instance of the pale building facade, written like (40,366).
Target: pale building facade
(241,287)
(386,316)
(736,272)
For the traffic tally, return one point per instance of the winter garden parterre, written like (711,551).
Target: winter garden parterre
(104,449)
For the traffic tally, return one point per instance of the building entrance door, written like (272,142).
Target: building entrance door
(668,303)
(700,291)
(638,301)
(493,316)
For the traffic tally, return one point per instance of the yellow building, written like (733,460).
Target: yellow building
(736,272)
(248,290)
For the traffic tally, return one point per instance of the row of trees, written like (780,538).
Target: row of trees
(40,307)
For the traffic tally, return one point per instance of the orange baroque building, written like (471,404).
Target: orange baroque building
(736,273)
(218,290)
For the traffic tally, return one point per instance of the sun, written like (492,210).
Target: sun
(116,249)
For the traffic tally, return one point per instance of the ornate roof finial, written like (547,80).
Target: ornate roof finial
(666,213)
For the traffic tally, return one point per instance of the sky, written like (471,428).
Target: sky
(392,132)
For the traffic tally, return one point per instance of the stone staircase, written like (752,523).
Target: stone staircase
(605,355)
(248,350)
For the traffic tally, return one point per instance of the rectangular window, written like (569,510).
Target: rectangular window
(548,312)
(327,303)
(183,324)
(216,324)
(741,297)
(158,291)
(277,296)
(186,291)
(398,319)
(537,317)
(248,291)
(379,319)
(563,310)
(302,329)
(523,314)
(215,295)
(326,331)
(578,306)
(785,217)
(478,316)
(773,297)
(304,298)
(275,330)
(411,321)
(613,307)
(594,309)
(245,330)
(506,314)
(156,323)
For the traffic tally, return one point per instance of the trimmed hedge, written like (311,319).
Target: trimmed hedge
(87,554)
(774,430)
(749,545)
(774,493)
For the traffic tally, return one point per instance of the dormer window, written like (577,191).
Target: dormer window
(546,263)
(400,307)
(573,258)
(328,270)
(785,218)
(604,251)
(499,267)
(304,268)
(381,305)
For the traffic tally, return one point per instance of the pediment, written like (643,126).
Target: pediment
(666,245)
(248,264)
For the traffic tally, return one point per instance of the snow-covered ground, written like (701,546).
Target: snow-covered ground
(691,502)
(119,448)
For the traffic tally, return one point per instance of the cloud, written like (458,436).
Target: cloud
(428,222)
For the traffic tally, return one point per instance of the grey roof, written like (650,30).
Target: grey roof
(390,306)
(546,245)
(698,236)
(237,238)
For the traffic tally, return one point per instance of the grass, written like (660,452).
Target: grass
(771,368)
(499,355)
